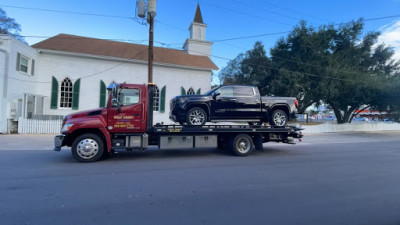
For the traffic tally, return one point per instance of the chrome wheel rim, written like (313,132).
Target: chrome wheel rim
(197,117)
(279,119)
(243,145)
(87,148)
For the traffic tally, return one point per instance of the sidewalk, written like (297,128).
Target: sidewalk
(26,141)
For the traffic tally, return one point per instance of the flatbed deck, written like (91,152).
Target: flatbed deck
(208,129)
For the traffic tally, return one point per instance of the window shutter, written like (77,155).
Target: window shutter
(198,91)
(102,94)
(18,60)
(54,93)
(33,67)
(162,99)
(183,91)
(75,94)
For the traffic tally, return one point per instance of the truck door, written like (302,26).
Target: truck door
(223,104)
(128,114)
(248,103)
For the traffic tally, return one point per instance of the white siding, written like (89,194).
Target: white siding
(195,47)
(92,70)
(18,83)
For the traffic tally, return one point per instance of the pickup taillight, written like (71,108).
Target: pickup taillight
(296,103)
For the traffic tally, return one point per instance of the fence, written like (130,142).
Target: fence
(365,126)
(31,126)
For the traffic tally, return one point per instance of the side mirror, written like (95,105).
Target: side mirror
(215,94)
(114,102)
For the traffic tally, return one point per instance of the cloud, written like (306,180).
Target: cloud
(390,35)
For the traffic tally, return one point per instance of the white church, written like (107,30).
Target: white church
(66,73)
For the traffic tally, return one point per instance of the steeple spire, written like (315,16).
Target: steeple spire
(197,17)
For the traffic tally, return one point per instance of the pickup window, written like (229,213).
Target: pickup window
(243,91)
(129,97)
(226,91)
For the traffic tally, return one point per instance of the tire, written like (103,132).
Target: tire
(196,116)
(279,118)
(242,145)
(87,148)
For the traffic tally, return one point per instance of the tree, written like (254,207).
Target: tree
(296,59)
(9,26)
(338,66)
(251,68)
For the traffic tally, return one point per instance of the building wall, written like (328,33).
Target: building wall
(14,84)
(91,70)
(196,47)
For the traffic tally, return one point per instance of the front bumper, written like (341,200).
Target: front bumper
(58,142)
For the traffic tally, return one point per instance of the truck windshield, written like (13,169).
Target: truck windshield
(211,91)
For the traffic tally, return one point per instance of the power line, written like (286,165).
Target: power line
(267,10)
(277,69)
(218,40)
(82,77)
(246,14)
(67,12)
(295,11)
(76,13)
(284,32)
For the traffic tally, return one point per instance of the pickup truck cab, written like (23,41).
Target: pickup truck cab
(233,103)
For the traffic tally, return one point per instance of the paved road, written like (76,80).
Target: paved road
(350,178)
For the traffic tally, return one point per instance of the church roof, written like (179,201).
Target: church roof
(197,17)
(101,47)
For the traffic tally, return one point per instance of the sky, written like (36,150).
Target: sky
(268,20)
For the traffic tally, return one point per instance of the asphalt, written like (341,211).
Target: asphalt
(346,178)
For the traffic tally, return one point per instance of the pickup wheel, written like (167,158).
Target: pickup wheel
(279,118)
(196,116)
(241,145)
(87,148)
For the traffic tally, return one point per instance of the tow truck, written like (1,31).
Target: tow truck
(126,123)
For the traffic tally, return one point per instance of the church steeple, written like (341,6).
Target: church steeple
(197,44)
(197,17)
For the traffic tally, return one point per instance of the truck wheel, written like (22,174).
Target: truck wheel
(279,118)
(87,148)
(196,116)
(242,145)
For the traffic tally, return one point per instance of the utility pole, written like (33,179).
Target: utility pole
(151,13)
(150,18)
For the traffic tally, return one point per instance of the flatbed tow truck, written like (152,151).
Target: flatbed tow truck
(126,123)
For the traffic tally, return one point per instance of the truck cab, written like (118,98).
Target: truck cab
(126,112)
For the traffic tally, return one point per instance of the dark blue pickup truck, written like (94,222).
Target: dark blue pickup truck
(233,103)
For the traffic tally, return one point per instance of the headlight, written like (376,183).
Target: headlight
(66,127)
(182,100)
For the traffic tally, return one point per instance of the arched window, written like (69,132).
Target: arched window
(156,99)
(66,93)
(190,91)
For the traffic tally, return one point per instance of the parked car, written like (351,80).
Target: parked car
(233,103)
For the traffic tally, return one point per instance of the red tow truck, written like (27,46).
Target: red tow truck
(127,124)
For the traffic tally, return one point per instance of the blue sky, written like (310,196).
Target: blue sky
(225,19)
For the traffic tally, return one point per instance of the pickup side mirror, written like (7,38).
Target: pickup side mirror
(215,94)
